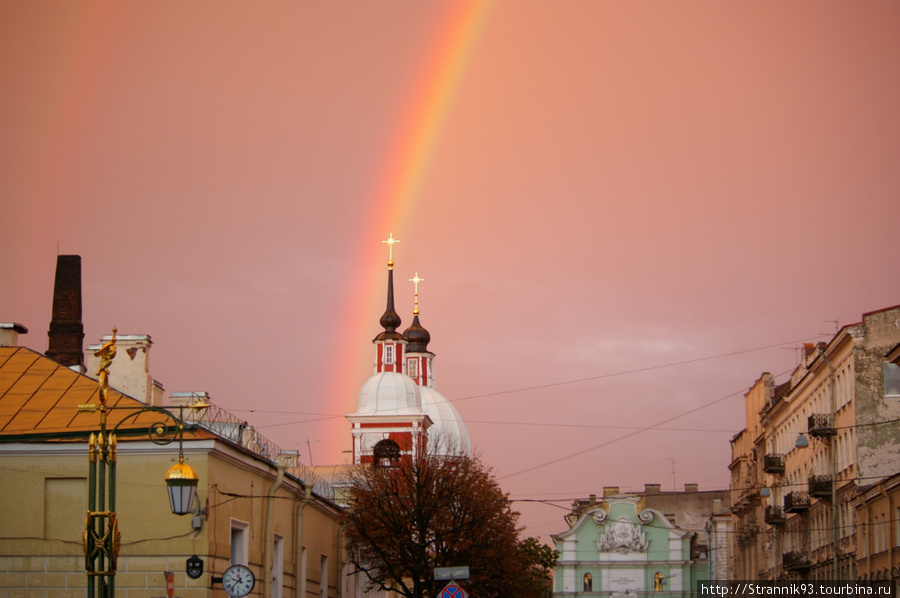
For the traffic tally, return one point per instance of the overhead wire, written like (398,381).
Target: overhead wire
(325,416)
(634,371)
(623,437)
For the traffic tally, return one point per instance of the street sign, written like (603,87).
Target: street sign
(442,573)
(451,590)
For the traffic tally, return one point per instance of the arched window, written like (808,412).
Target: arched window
(386,453)
(588,582)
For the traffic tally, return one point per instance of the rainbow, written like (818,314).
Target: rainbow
(398,192)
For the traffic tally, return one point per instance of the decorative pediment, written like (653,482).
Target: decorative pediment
(623,536)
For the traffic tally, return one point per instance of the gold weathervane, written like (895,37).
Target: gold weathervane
(390,243)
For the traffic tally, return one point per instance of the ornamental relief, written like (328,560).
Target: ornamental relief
(623,537)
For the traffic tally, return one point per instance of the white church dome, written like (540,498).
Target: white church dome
(389,393)
(448,430)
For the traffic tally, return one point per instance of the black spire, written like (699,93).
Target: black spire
(390,320)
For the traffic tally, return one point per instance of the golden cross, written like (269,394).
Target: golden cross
(416,280)
(390,243)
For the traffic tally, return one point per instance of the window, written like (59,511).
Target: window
(323,584)
(240,542)
(278,567)
(303,574)
(412,367)
(389,354)
(386,453)
(891,379)
(588,582)
(896,526)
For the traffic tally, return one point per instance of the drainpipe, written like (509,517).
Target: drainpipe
(890,529)
(867,527)
(340,559)
(776,553)
(268,540)
(298,539)
(831,449)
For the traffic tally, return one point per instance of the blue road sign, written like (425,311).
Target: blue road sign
(451,590)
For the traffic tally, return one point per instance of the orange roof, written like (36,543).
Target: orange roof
(40,397)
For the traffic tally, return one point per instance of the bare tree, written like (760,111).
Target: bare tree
(420,513)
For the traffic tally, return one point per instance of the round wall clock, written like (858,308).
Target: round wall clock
(238,581)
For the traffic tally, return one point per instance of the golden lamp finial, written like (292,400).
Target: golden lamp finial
(416,280)
(390,243)
(106,353)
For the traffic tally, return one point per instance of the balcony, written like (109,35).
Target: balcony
(795,561)
(821,425)
(820,486)
(796,502)
(774,515)
(773,464)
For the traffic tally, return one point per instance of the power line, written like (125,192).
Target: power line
(626,372)
(327,416)
(595,426)
(629,435)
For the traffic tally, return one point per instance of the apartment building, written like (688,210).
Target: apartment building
(808,445)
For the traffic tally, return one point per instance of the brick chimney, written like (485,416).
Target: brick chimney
(66,335)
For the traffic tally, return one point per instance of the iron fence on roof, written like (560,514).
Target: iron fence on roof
(224,424)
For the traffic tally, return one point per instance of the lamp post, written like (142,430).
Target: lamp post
(101,538)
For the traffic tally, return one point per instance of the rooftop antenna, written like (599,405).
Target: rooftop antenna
(797,349)
(674,485)
(836,326)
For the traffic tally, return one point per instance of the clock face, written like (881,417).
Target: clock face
(238,580)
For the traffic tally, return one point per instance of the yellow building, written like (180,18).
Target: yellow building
(256,506)
(808,444)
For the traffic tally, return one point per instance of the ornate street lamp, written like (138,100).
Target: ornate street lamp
(181,482)
(101,539)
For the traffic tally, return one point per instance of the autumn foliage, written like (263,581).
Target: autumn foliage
(404,521)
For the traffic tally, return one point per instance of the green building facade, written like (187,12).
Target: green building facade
(621,546)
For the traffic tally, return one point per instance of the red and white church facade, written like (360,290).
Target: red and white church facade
(400,414)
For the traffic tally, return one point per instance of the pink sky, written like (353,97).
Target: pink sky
(602,189)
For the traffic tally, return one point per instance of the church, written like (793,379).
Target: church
(400,413)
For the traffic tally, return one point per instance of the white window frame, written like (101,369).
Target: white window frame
(277,565)
(240,542)
(304,572)
(890,371)
(323,576)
